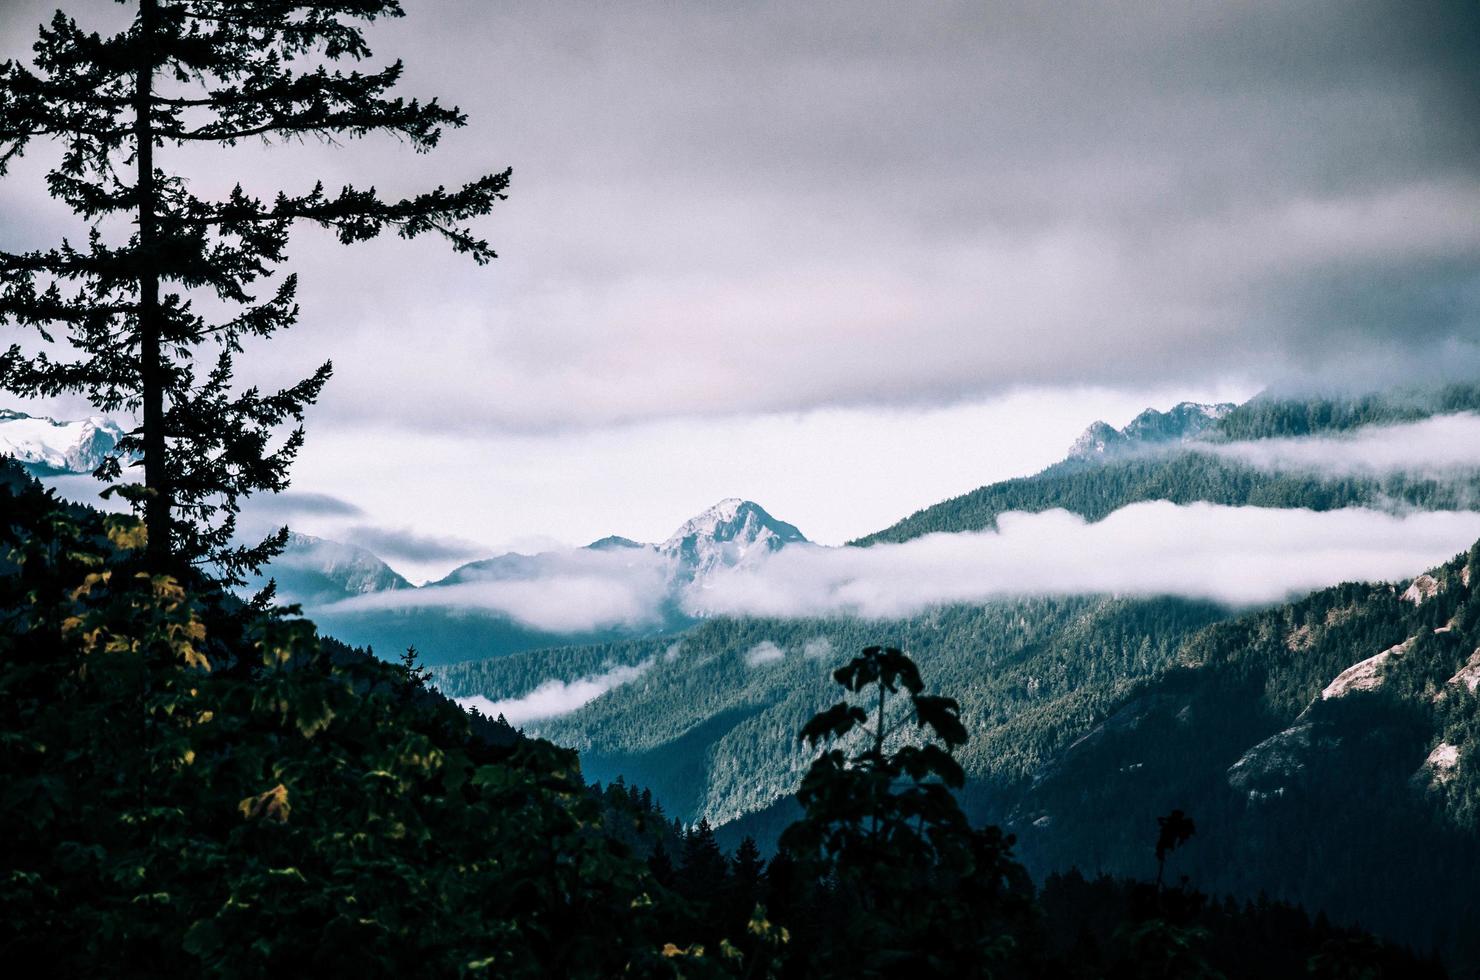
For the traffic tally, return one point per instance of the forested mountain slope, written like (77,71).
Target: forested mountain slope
(1330,750)
(1271,416)
(710,724)
(181,770)
(1095,484)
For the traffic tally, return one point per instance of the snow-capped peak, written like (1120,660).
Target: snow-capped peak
(53,446)
(734,519)
(728,534)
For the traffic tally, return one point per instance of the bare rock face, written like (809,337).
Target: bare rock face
(1276,760)
(1270,767)
(1439,768)
(1366,675)
(1467,676)
(1424,587)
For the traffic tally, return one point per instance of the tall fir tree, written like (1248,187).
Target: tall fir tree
(126,320)
(703,871)
(748,867)
(661,865)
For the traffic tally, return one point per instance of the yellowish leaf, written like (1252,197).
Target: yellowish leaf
(127,535)
(271,805)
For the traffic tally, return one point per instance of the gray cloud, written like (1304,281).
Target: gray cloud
(407,545)
(774,206)
(290,504)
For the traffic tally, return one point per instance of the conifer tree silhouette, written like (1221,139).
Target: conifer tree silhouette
(1174,830)
(747,866)
(703,871)
(661,865)
(131,320)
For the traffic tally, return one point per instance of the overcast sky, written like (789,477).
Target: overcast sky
(850,258)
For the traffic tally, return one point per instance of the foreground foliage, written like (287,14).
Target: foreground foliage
(913,888)
(190,786)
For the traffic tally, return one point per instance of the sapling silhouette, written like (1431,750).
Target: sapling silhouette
(418,678)
(913,887)
(1176,829)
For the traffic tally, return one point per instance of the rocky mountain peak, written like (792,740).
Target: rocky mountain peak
(1180,423)
(731,532)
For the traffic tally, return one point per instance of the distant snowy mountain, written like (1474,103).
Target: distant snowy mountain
(732,532)
(312,571)
(47,446)
(1151,428)
(614,588)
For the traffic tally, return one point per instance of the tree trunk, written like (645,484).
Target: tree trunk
(151,374)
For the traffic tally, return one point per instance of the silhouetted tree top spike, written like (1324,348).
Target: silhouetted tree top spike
(1175,829)
(118,316)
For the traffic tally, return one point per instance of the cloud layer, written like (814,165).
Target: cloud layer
(772,206)
(559,592)
(1235,555)
(1441,446)
(555,697)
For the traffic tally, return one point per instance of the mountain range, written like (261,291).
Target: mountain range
(1171,456)
(314,572)
(730,534)
(1181,423)
(1158,456)
(47,447)
(1328,747)
(485,608)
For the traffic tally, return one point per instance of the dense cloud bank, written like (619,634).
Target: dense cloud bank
(771,206)
(559,592)
(1440,446)
(1236,555)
